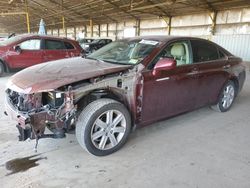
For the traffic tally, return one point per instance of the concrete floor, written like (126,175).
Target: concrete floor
(203,148)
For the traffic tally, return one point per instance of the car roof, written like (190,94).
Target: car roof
(162,38)
(43,36)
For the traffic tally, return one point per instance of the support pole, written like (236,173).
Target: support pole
(116,31)
(99,30)
(75,33)
(107,30)
(168,20)
(85,31)
(169,25)
(138,27)
(28,22)
(91,27)
(63,25)
(213,17)
(27,16)
(63,20)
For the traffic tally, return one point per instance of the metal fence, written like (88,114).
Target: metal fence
(238,45)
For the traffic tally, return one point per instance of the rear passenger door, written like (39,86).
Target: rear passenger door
(54,49)
(71,50)
(211,64)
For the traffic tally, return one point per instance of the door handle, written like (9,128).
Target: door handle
(226,66)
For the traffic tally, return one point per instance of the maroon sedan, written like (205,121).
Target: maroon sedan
(127,84)
(26,50)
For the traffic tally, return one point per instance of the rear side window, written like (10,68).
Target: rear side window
(54,45)
(32,44)
(222,55)
(204,51)
(68,45)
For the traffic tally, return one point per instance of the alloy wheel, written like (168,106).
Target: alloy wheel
(228,96)
(108,129)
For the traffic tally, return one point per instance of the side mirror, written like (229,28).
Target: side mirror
(164,64)
(17,49)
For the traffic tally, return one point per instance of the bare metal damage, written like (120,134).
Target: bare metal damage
(31,110)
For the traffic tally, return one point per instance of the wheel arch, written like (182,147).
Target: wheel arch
(5,65)
(96,94)
(110,93)
(232,78)
(235,80)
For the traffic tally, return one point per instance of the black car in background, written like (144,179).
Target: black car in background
(84,42)
(95,45)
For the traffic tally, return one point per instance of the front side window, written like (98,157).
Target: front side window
(125,52)
(203,51)
(54,45)
(176,50)
(32,44)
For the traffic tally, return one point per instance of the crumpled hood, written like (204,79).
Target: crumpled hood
(54,74)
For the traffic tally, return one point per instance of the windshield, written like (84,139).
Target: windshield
(10,40)
(124,52)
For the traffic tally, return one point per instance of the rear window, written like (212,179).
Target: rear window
(68,45)
(204,51)
(54,45)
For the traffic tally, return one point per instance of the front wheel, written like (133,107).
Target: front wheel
(1,69)
(226,97)
(103,127)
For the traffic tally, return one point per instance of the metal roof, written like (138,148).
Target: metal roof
(79,12)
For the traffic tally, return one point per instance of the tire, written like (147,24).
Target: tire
(97,133)
(226,97)
(1,69)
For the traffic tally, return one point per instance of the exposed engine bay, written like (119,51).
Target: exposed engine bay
(53,109)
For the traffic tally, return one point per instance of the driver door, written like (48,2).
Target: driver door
(170,92)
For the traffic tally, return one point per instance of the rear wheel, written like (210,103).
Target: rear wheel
(103,127)
(226,98)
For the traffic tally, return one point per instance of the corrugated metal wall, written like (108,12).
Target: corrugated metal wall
(238,45)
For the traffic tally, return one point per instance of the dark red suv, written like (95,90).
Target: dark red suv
(26,50)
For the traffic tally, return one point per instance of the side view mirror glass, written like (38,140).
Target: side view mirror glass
(163,65)
(17,49)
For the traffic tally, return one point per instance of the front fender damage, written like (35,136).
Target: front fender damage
(58,109)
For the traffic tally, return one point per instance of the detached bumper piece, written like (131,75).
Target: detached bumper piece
(24,134)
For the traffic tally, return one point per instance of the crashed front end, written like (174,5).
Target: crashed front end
(33,112)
